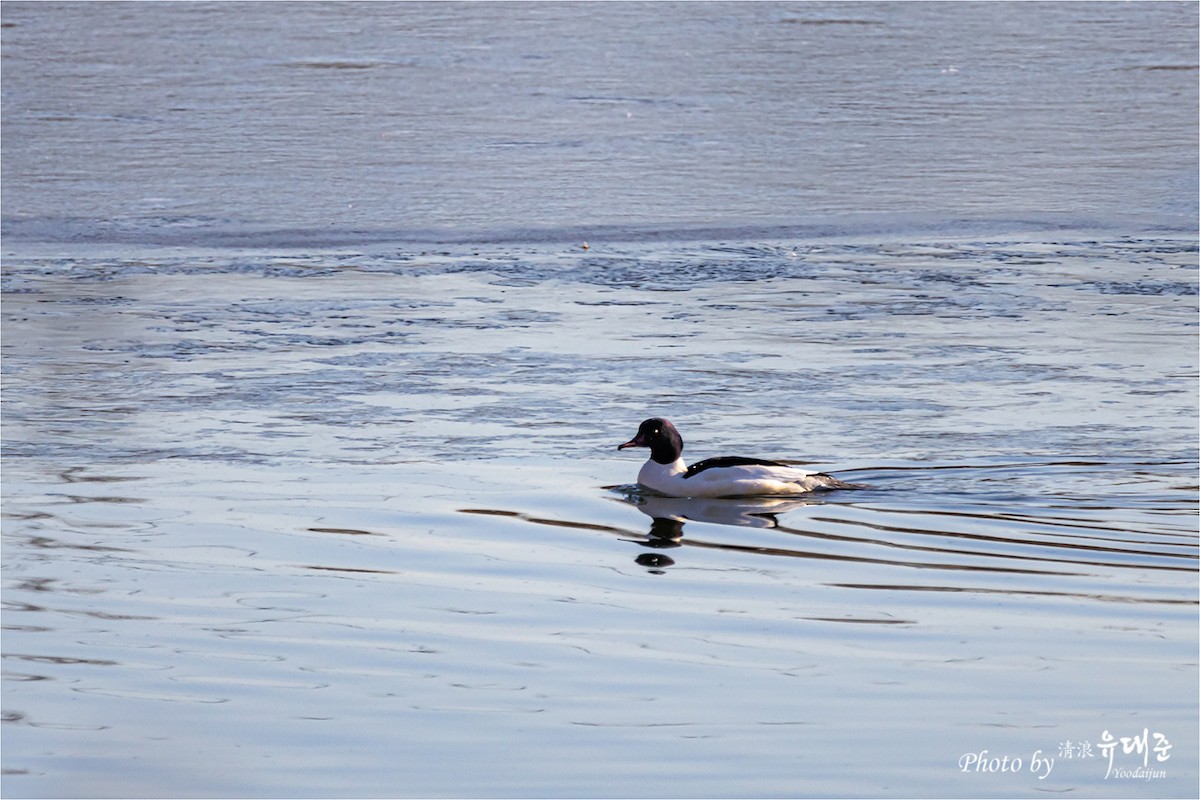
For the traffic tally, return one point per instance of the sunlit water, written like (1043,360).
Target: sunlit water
(354,524)
(298,510)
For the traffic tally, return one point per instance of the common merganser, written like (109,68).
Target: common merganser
(729,476)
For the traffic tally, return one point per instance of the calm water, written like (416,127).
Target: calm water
(312,393)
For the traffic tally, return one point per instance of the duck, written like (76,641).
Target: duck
(666,473)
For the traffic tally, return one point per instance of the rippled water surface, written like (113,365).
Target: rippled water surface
(299,508)
(354,523)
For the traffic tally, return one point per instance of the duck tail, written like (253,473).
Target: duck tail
(826,482)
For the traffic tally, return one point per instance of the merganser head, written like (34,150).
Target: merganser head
(661,437)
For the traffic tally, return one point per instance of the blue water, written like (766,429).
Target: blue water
(321,324)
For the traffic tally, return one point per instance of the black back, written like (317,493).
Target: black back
(728,461)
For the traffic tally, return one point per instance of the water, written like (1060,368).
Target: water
(312,393)
(336,122)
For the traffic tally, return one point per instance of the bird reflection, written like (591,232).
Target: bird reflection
(746,512)
(668,515)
